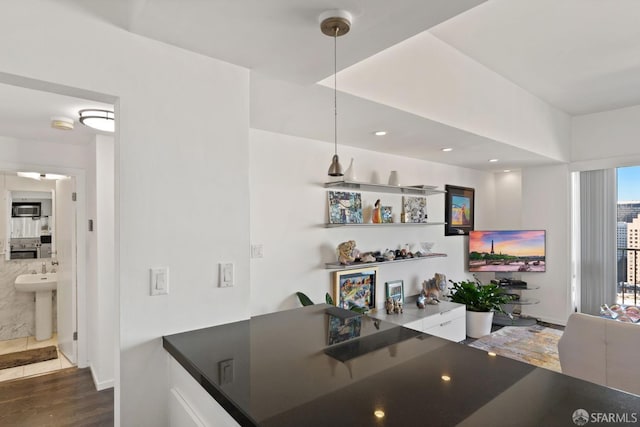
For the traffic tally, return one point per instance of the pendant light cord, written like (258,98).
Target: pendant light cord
(335,90)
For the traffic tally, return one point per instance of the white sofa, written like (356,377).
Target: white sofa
(602,351)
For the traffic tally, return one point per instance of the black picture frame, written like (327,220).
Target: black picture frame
(459,210)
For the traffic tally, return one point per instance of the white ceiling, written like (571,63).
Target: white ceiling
(26,114)
(578,55)
(582,56)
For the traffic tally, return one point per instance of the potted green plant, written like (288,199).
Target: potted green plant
(481,301)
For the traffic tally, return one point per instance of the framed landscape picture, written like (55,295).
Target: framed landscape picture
(355,287)
(458,210)
(345,207)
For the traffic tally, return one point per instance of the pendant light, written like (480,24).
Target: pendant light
(335,23)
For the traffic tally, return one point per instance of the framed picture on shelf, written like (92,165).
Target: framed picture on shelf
(414,209)
(458,210)
(355,288)
(345,207)
(387,214)
(395,290)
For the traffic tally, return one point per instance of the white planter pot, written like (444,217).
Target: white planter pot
(479,323)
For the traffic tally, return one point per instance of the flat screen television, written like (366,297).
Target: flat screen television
(507,251)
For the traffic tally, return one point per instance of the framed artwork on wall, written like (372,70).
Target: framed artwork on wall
(458,210)
(355,287)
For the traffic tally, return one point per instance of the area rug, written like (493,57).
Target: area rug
(26,357)
(536,345)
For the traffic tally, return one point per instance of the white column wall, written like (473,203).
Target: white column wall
(546,205)
(101,360)
(181,178)
(289,208)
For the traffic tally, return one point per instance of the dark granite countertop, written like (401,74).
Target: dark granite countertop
(285,373)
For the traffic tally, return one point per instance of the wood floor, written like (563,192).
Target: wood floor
(62,398)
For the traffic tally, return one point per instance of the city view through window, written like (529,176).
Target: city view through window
(628,235)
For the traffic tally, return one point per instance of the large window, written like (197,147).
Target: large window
(628,235)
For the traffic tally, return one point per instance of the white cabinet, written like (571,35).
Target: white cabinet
(445,320)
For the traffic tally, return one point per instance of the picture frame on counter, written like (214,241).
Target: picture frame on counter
(355,287)
(395,290)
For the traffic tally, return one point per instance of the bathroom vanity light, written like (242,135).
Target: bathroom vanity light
(103,120)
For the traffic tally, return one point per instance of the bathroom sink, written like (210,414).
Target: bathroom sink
(36,282)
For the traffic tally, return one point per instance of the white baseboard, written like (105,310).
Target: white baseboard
(100,385)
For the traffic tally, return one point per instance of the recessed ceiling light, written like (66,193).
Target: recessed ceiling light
(446,378)
(378,413)
(380,133)
(493,160)
(506,170)
(103,120)
(492,354)
(446,150)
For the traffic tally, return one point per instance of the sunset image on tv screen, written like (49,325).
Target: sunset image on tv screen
(507,250)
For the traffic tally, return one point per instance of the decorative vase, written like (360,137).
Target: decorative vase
(350,173)
(479,323)
(393,178)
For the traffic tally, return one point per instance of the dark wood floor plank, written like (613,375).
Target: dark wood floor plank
(63,398)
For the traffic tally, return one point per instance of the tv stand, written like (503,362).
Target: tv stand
(514,318)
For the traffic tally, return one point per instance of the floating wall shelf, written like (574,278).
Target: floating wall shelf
(385,224)
(418,190)
(338,266)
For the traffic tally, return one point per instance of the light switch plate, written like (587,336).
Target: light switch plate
(226,275)
(159,280)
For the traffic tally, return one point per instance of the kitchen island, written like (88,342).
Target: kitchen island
(322,366)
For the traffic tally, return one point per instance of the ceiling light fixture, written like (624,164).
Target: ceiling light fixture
(378,413)
(506,170)
(335,23)
(446,150)
(62,123)
(103,120)
(380,133)
(493,160)
(38,176)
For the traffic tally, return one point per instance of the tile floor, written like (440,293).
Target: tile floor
(28,343)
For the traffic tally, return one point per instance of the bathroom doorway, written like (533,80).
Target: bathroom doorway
(29,143)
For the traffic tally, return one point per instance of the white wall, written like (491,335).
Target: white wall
(182,141)
(605,140)
(289,208)
(546,205)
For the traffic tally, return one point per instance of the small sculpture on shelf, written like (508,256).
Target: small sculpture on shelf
(377,213)
(389,255)
(393,306)
(345,252)
(388,305)
(367,257)
(397,306)
(431,291)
